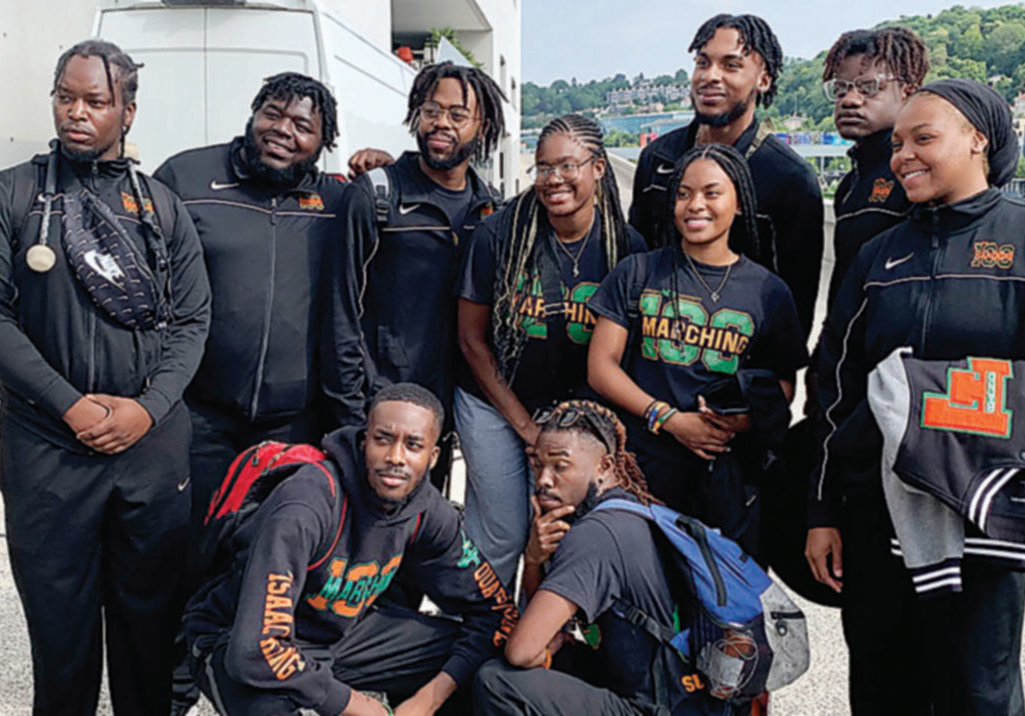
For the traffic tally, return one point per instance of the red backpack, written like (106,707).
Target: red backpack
(251,478)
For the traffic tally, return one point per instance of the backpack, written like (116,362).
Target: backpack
(743,634)
(252,476)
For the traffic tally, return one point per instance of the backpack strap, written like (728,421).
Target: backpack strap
(765,128)
(382,193)
(331,466)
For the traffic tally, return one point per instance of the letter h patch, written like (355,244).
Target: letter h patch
(975,402)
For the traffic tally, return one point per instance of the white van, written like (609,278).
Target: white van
(205,61)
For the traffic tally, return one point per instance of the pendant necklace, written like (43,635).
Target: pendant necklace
(717,293)
(580,252)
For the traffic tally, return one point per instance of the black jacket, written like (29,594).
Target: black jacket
(948,283)
(55,344)
(868,201)
(391,309)
(789,206)
(305,583)
(264,248)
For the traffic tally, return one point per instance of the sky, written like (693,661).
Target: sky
(594,39)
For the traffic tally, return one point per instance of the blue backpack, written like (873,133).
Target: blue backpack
(742,633)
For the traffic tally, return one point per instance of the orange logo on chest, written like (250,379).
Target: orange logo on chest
(311,202)
(132,206)
(881,189)
(990,255)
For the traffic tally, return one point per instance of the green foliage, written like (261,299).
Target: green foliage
(437,33)
(1020,172)
(619,138)
(562,97)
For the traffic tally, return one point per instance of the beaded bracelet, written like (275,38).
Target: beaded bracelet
(652,415)
(663,418)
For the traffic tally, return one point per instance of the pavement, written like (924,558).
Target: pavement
(820,692)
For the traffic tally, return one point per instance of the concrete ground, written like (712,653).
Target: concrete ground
(820,692)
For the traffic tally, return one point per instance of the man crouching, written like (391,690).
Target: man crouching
(594,560)
(297,630)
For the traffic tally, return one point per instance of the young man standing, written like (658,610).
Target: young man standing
(391,312)
(593,559)
(869,74)
(104,309)
(295,629)
(736,65)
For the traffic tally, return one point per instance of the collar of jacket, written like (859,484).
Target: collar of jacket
(416,187)
(672,146)
(107,168)
(240,168)
(951,217)
(872,151)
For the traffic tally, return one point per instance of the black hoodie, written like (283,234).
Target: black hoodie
(305,583)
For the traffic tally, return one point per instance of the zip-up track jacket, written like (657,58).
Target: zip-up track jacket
(55,344)
(264,248)
(789,206)
(949,283)
(306,582)
(391,310)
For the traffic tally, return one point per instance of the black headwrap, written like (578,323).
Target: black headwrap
(990,114)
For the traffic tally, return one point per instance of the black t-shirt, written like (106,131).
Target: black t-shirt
(687,340)
(612,555)
(536,381)
(455,203)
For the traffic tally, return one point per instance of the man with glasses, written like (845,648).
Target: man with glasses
(737,62)
(868,74)
(390,314)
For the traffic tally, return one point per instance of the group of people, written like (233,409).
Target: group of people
(154,328)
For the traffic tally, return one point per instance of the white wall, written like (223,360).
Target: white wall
(32,37)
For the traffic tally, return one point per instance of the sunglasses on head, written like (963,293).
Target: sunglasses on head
(568,417)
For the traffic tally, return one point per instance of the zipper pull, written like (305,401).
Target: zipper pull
(274,210)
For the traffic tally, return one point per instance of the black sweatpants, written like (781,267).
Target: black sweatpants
(92,534)
(503,690)
(951,655)
(391,650)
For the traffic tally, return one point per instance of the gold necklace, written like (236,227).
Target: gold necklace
(717,293)
(580,251)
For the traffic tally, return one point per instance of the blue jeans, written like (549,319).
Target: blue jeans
(498,483)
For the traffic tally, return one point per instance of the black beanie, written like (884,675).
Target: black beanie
(988,112)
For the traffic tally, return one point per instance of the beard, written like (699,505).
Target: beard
(460,154)
(724,118)
(289,176)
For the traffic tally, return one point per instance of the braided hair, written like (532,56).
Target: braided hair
(735,166)
(755,36)
(527,220)
(898,48)
(412,393)
(286,86)
(127,78)
(489,101)
(610,432)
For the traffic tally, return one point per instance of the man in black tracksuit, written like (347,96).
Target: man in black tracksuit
(391,310)
(93,435)
(737,62)
(298,627)
(265,217)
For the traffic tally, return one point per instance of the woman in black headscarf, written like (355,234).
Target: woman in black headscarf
(930,632)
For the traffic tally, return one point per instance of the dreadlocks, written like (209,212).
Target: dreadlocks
(900,49)
(733,163)
(414,394)
(526,219)
(127,70)
(755,36)
(287,86)
(489,101)
(610,431)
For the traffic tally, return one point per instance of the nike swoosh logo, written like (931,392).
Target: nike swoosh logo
(891,263)
(664,169)
(183,484)
(217,186)
(408,208)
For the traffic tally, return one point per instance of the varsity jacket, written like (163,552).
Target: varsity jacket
(312,570)
(55,344)
(789,205)
(264,247)
(391,311)
(868,201)
(952,463)
(949,283)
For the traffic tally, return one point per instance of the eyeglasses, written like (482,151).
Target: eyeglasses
(458,116)
(865,86)
(571,416)
(564,170)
